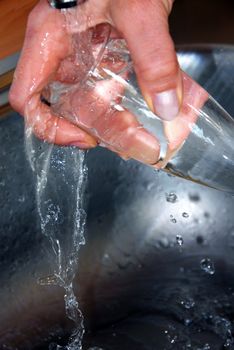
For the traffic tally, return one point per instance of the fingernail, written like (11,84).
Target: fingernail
(145,148)
(166,104)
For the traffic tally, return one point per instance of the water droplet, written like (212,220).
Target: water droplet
(21,199)
(228,343)
(48,280)
(194,197)
(173,220)
(187,322)
(185,215)
(200,240)
(105,258)
(173,339)
(150,186)
(206,347)
(188,303)
(171,197)
(207,266)
(179,240)
(164,242)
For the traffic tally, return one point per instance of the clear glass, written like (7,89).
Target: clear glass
(198,145)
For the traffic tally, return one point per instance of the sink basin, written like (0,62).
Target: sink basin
(157,271)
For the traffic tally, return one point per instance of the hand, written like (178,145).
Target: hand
(47,51)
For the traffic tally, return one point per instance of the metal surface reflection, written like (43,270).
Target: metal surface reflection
(139,288)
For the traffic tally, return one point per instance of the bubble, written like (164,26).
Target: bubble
(179,240)
(172,219)
(207,266)
(171,197)
(185,215)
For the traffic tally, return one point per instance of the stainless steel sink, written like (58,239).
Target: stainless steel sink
(139,288)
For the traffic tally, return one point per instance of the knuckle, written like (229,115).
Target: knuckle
(161,69)
(13,99)
(134,7)
(32,17)
(31,29)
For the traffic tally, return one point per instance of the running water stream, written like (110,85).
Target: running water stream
(60,175)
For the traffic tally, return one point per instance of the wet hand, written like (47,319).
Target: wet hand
(46,56)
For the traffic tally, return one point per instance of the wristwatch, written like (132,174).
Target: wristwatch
(63,4)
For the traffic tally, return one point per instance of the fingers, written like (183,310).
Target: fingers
(127,137)
(179,129)
(152,51)
(44,48)
(46,45)
(96,111)
(53,129)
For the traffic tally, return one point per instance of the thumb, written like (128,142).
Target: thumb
(153,52)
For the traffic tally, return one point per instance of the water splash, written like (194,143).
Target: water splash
(60,182)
